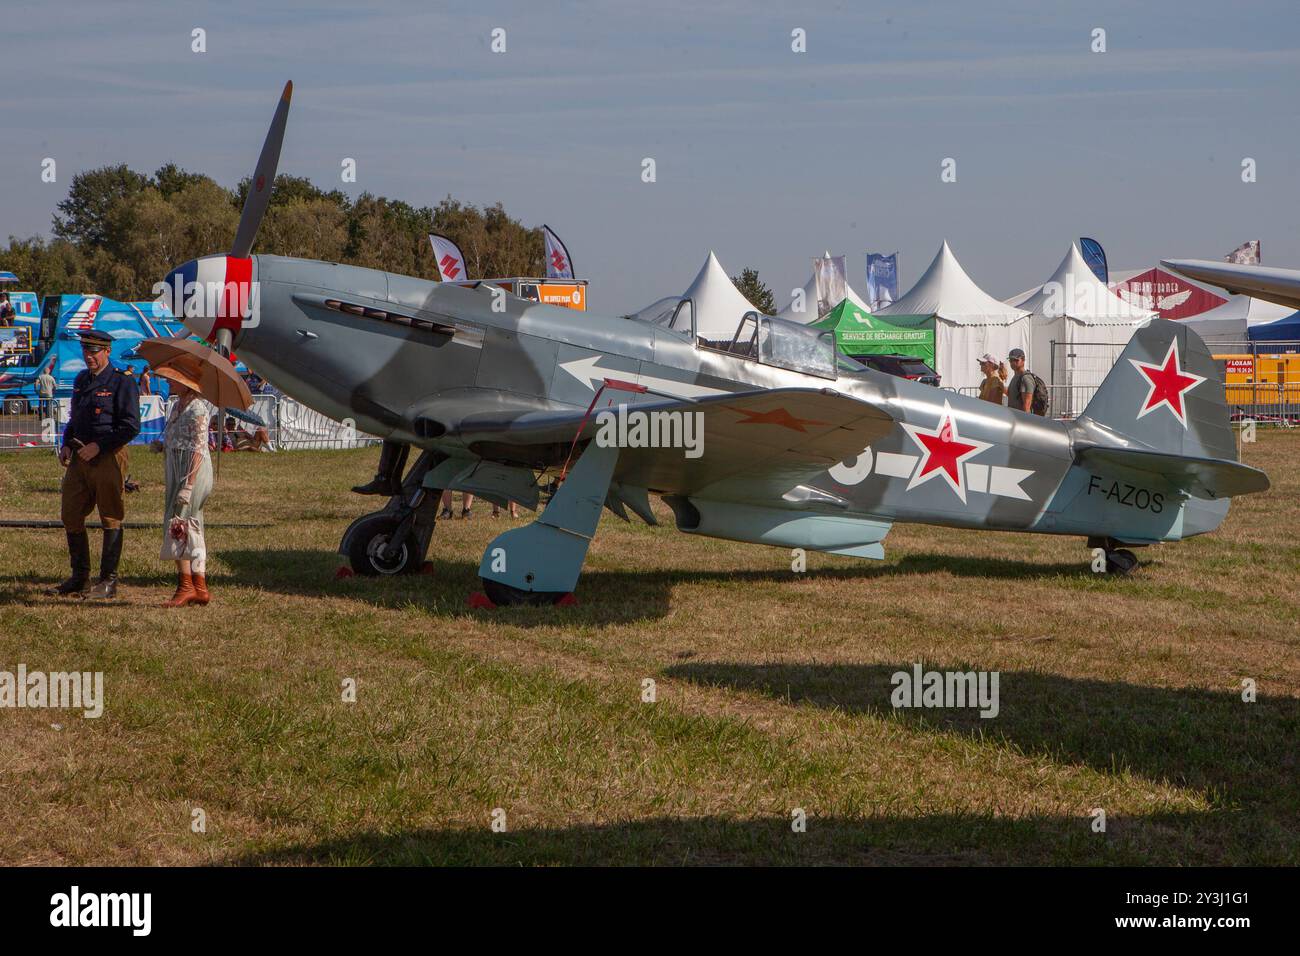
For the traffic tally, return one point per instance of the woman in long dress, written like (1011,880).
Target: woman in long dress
(189,482)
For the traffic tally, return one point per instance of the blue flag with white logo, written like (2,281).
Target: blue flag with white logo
(882,278)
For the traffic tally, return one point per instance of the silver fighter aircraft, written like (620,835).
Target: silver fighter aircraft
(1262,282)
(769,436)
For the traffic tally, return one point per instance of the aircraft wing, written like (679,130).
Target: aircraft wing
(1272,285)
(771,439)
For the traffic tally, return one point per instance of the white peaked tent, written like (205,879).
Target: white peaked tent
(855,299)
(967,320)
(717,303)
(808,312)
(1074,307)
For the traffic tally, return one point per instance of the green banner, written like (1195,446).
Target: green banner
(862,333)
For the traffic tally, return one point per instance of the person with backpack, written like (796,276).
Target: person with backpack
(1027,392)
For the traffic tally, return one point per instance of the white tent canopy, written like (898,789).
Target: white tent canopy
(718,305)
(1228,324)
(968,321)
(855,299)
(1074,306)
(805,311)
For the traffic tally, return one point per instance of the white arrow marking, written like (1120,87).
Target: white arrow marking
(896,466)
(1006,482)
(590,374)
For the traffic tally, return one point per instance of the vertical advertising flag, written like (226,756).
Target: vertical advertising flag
(882,278)
(451,264)
(1095,256)
(831,280)
(1246,254)
(558,263)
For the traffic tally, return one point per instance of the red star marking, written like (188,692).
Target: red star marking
(557,260)
(777,416)
(1167,383)
(944,451)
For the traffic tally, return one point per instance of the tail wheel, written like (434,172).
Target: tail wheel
(503,595)
(1121,561)
(370,539)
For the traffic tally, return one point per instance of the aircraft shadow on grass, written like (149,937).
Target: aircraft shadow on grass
(934,839)
(1243,756)
(604,596)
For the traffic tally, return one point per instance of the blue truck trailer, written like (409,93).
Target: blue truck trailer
(45,336)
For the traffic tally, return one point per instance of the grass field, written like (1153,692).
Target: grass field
(772,694)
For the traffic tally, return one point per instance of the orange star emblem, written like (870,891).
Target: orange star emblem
(777,416)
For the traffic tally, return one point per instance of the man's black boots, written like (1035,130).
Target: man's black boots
(106,587)
(79,555)
(388,479)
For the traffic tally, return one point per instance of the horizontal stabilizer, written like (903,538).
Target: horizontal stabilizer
(875,552)
(1208,478)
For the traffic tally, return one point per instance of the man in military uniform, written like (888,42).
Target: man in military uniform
(104,417)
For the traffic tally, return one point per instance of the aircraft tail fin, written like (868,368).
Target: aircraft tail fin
(1161,411)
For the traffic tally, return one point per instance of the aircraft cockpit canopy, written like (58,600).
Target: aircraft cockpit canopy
(783,344)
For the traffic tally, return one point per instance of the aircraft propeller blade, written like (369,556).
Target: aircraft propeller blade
(259,190)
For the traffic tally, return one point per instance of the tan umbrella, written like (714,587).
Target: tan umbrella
(215,376)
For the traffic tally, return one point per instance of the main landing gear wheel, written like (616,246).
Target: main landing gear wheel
(503,595)
(1121,561)
(366,550)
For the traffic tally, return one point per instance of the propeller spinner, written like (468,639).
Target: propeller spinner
(214,295)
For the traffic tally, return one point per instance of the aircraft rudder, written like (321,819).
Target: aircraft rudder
(1165,393)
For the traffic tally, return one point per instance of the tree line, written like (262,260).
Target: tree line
(119,231)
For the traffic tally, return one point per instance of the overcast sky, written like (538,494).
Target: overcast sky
(764,155)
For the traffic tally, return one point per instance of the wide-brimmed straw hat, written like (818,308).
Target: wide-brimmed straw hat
(177,372)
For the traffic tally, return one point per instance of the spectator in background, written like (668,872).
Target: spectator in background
(6,311)
(466,503)
(146,382)
(256,440)
(219,434)
(993,388)
(46,384)
(1025,385)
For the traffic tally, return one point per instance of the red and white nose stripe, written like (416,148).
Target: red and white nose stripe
(212,293)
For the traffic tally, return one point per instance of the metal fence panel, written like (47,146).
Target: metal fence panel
(289,425)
